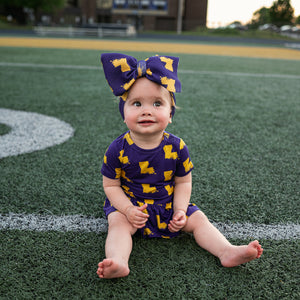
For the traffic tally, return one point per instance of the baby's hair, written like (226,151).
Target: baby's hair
(173,104)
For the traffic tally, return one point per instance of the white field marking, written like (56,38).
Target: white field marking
(31,132)
(213,73)
(292,45)
(39,132)
(79,223)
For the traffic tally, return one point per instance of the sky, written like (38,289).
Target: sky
(224,12)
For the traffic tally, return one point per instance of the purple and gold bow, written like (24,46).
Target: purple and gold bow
(121,71)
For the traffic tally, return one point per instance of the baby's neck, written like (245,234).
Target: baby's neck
(147,142)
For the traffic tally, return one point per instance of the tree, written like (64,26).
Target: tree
(16,7)
(261,17)
(281,13)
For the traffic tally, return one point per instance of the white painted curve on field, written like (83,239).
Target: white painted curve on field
(31,132)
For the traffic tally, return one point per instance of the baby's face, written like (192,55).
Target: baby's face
(147,109)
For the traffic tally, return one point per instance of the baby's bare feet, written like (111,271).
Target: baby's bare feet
(237,255)
(109,268)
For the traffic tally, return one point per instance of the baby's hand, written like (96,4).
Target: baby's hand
(136,216)
(178,221)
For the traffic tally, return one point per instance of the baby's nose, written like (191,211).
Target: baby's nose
(147,111)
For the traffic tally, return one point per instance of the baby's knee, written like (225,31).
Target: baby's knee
(199,215)
(198,218)
(202,216)
(195,220)
(118,221)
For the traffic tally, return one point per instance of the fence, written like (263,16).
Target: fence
(101,30)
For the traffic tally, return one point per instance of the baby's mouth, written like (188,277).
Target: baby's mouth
(146,122)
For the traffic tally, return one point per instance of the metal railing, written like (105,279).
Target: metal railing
(101,30)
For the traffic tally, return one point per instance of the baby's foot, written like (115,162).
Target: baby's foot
(109,268)
(237,255)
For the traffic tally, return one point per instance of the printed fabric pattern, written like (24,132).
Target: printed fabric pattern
(148,176)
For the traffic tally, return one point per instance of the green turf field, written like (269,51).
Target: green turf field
(240,120)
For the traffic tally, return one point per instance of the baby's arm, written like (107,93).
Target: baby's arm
(182,195)
(118,199)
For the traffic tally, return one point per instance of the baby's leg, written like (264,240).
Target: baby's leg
(211,239)
(117,248)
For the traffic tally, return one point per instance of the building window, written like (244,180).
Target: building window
(104,4)
(160,4)
(120,3)
(145,4)
(72,3)
(133,4)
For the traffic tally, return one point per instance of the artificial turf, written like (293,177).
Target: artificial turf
(243,135)
(4,129)
(63,266)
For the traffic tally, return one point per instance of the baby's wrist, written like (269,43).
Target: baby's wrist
(180,209)
(127,209)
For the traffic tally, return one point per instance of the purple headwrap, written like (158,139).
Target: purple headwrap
(121,71)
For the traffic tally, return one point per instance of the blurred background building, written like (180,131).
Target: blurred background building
(143,14)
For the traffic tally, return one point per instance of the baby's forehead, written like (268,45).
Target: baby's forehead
(145,82)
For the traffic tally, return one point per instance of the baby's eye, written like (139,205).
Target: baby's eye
(157,103)
(136,103)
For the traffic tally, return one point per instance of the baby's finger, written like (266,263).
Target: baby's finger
(142,214)
(140,220)
(172,227)
(141,208)
(139,225)
(181,222)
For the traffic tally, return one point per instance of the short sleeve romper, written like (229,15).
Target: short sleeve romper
(148,176)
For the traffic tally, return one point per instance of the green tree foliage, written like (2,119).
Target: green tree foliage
(45,5)
(261,17)
(16,7)
(281,13)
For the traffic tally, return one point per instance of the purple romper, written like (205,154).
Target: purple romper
(148,176)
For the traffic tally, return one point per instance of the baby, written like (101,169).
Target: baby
(147,171)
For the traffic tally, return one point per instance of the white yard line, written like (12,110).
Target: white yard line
(79,223)
(213,73)
(31,132)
